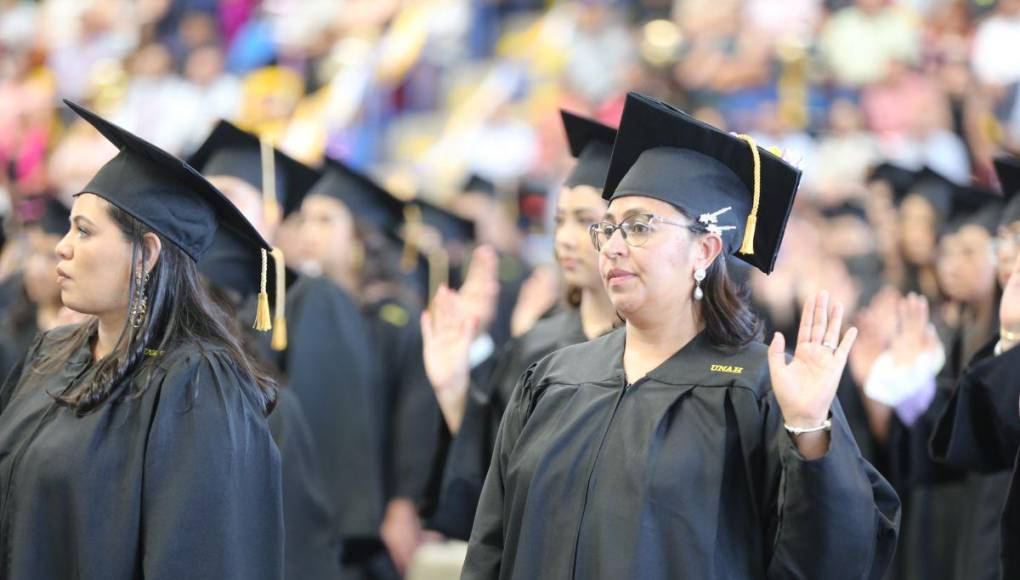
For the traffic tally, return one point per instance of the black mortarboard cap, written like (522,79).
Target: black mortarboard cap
(974,206)
(591,143)
(1008,170)
(451,227)
(163,192)
(368,201)
(230,151)
(229,263)
(899,178)
(49,215)
(477,184)
(665,154)
(172,198)
(935,188)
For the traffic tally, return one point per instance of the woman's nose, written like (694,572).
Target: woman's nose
(615,245)
(63,248)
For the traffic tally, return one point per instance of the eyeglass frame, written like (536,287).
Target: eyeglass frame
(593,228)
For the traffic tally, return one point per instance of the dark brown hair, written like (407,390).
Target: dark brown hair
(179,311)
(725,309)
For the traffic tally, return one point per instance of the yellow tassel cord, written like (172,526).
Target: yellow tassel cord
(412,228)
(439,271)
(279,341)
(262,317)
(747,247)
(270,205)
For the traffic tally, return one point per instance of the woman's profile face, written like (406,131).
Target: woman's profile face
(656,276)
(94,267)
(326,233)
(576,209)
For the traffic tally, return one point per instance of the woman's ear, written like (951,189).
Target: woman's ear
(152,246)
(707,249)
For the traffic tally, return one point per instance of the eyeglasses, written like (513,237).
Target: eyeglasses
(635,230)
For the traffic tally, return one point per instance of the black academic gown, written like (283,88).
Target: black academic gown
(182,481)
(330,366)
(980,432)
(463,460)
(313,549)
(408,412)
(687,473)
(949,530)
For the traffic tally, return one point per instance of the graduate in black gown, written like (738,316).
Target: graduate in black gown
(321,349)
(36,303)
(135,445)
(946,511)
(679,446)
(474,412)
(312,544)
(351,229)
(979,429)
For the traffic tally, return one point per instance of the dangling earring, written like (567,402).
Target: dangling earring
(699,276)
(142,301)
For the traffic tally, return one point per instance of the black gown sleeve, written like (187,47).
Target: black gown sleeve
(211,489)
(13,377)
(980,427)
(831,517)
(415,418)
(485,547)
(465,460)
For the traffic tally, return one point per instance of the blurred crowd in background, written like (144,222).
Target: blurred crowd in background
(423,94)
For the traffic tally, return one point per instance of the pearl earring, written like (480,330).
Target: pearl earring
(699,276)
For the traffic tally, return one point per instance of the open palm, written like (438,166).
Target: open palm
(805,385)
(447,330)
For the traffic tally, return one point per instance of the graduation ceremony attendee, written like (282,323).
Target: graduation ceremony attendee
(946,511)
(679,446)
(236,161)
(349,225)
(473,413)
(135,445)
(36,304)
(313,546)
(979,429)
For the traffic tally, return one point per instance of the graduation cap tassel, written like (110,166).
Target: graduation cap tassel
(279,341)
(747,247)
(262,317)
(412,228)
(270,205)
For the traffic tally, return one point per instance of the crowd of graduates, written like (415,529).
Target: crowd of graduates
(400,209)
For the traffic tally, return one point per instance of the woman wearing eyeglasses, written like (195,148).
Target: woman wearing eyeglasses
(679,446)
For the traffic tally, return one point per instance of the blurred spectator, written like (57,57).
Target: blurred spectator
(996,44)
(858,42)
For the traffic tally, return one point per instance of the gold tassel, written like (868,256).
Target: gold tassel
(747,247)
(279,341)
(412,229)
(262,316)
(270,205)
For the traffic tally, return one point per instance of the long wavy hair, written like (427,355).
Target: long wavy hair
(179,311)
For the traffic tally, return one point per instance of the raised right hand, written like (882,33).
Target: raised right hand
(447,330)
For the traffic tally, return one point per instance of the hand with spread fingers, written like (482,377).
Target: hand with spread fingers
(538,294)
(915,334)
(447,329)
(1009,310)
(805,386)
